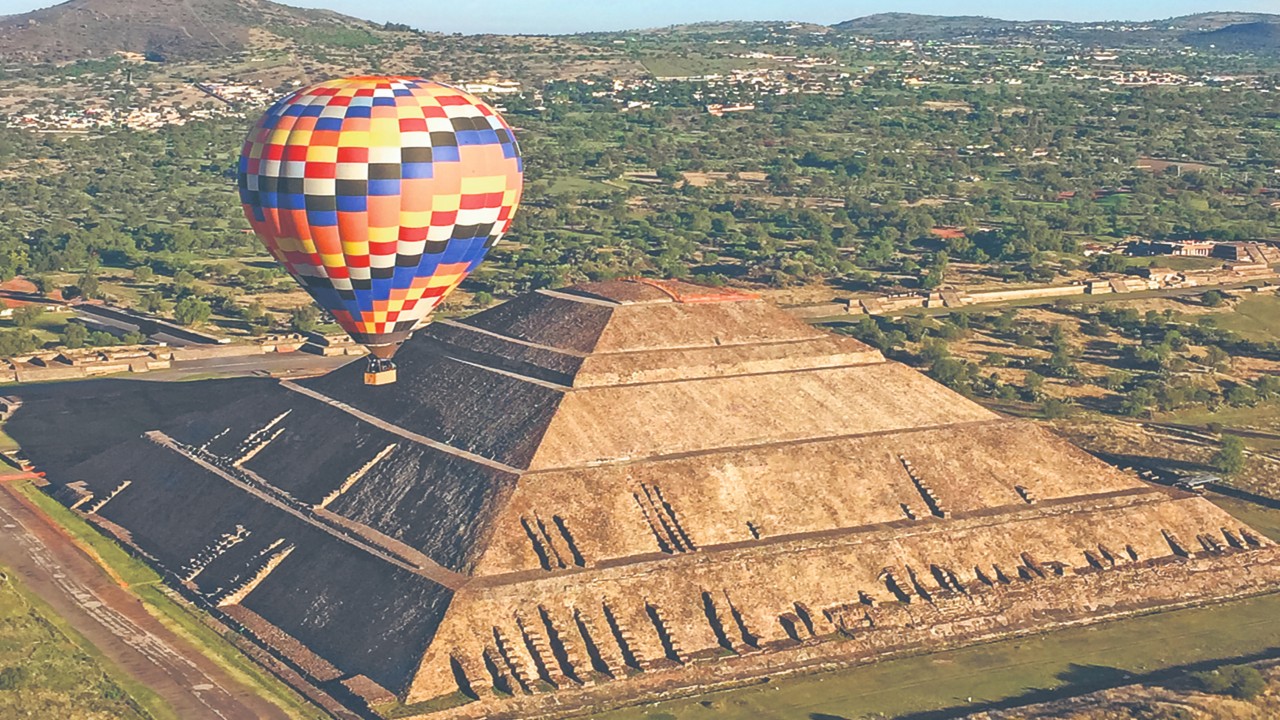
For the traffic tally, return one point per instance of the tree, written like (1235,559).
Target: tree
(1137,402)
(143,273)
(1058,337)
(931,351)
(1116,379)
(954,373)
(1213,298)
(101,338)
(27,315)
(191,310)
(304,319)
(1230,457)
(1055,409)
(1268,386)
(1241,396)
(1109,263)
(75,335)
(1093,328)
(152,302)
(87,284)
(43,284)
(255,313)
(1034,385)
(1217,358)
(18,342)
(1062,363)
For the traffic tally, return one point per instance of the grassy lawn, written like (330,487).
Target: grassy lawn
(1263,415)
(1264,520)
(48,326)
(47,670)
(178,617)
(1072,660)
(7,444)
(1174,262)
(1257,317)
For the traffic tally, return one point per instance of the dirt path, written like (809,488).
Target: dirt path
(115,621)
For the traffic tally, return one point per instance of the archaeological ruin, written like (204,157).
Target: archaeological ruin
(613,491)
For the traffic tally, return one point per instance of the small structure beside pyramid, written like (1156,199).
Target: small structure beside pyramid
(594,494)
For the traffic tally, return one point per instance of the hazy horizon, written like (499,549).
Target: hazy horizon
(574,16)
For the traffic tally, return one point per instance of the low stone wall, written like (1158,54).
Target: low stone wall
(1025,294)
(78,364)
(282,344)
(819,311)
(897,303)
(210,352)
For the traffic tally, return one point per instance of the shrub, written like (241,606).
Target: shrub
(1230,458)
(191,311)
(12,678)
(1238,681)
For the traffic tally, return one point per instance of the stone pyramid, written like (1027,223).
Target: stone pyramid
(617,489)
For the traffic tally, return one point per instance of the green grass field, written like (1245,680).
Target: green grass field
(1073,660)
(7,444)
(1257,317)
(1174,262)
(1264,520)
(178,617)
(1078,659)
(47,670)
(1264,415)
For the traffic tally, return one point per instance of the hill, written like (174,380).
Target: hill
(1225,30)
(1242,37)
(169,29)
(910,25)
(740,27)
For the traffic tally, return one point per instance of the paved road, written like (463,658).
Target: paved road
(115,621)
(279,364)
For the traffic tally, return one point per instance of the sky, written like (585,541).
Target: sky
(567,16)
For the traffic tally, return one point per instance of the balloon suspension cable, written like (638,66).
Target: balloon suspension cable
(379,371)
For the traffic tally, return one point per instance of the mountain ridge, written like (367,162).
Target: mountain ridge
(184,30)
(1253,31)
(1252,36)
(162,29)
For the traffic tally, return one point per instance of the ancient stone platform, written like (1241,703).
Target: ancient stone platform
(621,489)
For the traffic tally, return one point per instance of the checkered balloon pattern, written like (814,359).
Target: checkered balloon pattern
(380,195)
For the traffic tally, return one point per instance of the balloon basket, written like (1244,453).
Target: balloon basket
(384,377)
(379,372)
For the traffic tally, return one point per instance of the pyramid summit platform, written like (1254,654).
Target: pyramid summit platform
(591,495)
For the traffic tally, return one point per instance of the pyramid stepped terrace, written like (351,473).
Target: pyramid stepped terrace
(595,494)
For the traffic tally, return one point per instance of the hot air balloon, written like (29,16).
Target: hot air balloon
(380,195)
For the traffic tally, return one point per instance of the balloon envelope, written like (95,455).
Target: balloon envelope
(380,195)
